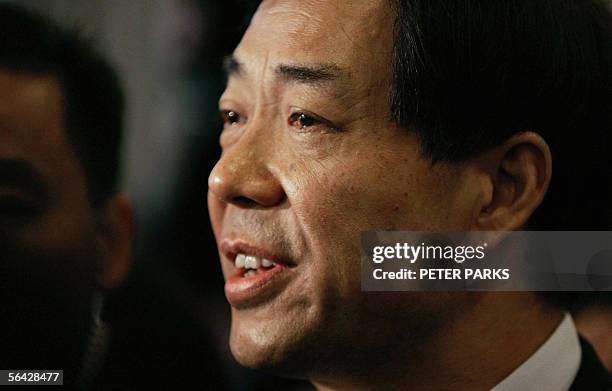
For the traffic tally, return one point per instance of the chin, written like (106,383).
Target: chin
(254,350)
(281,355)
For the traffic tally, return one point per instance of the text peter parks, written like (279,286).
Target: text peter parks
(486,260)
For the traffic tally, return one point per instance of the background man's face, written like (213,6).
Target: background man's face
(302,188)
(48,260)
(43,186)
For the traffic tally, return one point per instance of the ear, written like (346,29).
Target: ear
(520,171)
(115,239)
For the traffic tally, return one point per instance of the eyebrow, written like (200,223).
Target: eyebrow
(298,73)
(232,67)
(308,74)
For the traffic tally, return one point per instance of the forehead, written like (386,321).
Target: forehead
(30,111)
(355,35)
(32,129)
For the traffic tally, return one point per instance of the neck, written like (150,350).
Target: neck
(477,350)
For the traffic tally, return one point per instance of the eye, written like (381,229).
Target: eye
(231,117)
(303,121)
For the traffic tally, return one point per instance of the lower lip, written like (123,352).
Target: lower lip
(242,291)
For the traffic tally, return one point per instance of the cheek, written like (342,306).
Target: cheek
(339,201)
(68,216)
(336,202)
(59,231)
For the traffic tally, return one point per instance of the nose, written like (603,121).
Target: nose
(243,178)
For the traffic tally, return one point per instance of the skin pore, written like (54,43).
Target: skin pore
(311,158)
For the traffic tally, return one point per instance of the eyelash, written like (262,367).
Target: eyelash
(231,117)
(309,120)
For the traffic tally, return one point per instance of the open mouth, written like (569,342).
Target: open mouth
(252,265)
(257,275)
(256,269)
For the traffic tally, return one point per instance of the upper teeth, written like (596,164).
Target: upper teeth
(267,263)
(252,262)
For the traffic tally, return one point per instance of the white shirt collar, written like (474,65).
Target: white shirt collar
(552,367)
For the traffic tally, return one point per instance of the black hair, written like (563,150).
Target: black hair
(469,74)
(92,96)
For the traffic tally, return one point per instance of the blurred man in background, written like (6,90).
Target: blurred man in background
(65,230)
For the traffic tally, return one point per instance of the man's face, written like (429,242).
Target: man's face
(43,189)
(47,233)
(311,158)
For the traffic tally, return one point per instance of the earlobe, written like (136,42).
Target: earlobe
(520,171)
(115,238)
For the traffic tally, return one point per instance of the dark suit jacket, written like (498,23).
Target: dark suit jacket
(592,376)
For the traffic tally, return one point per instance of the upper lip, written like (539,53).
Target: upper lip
(231,248)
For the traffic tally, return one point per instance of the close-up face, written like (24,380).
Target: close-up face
(48,259)
(312,158)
